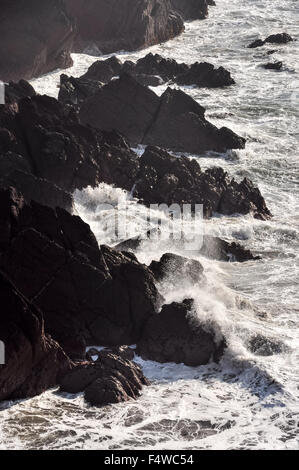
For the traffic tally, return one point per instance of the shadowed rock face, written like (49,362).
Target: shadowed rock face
(47,154)
(33,361)
(111,379)
(173,121)
(109,26)
(191,9)
(36,38)
(174,335)
(87,294)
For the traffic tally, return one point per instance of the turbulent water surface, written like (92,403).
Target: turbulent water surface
(249,400)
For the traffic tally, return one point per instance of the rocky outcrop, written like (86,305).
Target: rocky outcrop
(47,153)
(104,27)
(280,38)
(172,266)
(87,294)
(167,179)
(177,335)
(111,379)
(154,70)
(33,361)
(173,121)
(36,38)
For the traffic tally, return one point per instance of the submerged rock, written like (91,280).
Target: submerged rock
(173,121)
(111,379)
(177,335)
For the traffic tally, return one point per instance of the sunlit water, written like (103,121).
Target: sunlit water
(246,401)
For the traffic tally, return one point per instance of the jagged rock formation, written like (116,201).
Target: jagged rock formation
(167,179)
(177,335)
(33,361)
(87,294)
(153,65)
(111,379)
(36,38)
(173,121)
(123,24)
(47,153)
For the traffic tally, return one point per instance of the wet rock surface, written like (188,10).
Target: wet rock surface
(111,379)
(194,345)
(177,266)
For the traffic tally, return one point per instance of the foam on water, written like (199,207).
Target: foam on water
(248,400)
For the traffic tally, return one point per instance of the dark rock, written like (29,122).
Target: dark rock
(111,379)
(17,91)
(205,75)
(167,179)
(256,43)
(154,70)
(171,265)
(273,66)
(125,352)
(155,64)
(176,335)
(41,137)
(104,70)
(75,90)
(174,120)
(33,361)
(263,346)
(88,295)
(36,38)
(221,250)
(123,24)
(280,38)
